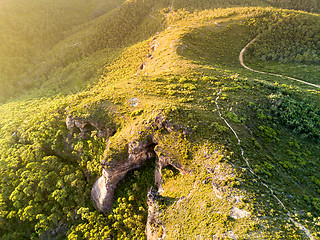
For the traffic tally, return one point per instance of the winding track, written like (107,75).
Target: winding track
(299,225)
(272,74)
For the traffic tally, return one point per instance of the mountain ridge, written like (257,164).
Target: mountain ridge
(179,89)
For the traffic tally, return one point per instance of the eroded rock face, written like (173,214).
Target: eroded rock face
(154,227)
(139,151)
(85,127)
(99,193)
(113,171)
(160,163)
(162,123)
(163,161)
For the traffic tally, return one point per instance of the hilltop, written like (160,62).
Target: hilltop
(140,121)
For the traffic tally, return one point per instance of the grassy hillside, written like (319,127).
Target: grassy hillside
(306,5)
(288,46)
(249,142)
(30,28)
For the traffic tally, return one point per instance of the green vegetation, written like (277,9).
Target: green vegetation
(81,54)
(90,71)
(29,29)
(285,36)
(302,117)
(306,5)
(128,217)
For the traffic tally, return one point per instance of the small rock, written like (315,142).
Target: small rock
(205,181)
(153,48)
(70,123)
(134,102)
(237,213)
(141,66)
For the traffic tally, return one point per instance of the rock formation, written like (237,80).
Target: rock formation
(237,213)
(163,161)
(85,127)
(154,227)
(138,151)
(162,123)
(142,65)
(114,171)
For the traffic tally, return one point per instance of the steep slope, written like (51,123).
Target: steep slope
(306,5)
(230,153)
(29,28)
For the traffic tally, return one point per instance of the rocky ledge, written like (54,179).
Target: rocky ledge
(85,127)
(154,227)
(114,171)
(138,152)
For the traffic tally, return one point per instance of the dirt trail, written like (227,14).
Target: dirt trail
(299,225)
(272,74)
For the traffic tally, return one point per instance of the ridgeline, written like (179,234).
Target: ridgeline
(136,119)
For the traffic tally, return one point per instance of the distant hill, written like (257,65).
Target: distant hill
(305,5)
(30,28)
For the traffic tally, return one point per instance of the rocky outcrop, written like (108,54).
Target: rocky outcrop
(237,213)
(85,127)
(163,161)
(154,228)
(162,123)
(115,170)
(138,151)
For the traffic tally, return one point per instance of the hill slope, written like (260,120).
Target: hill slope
(230,153)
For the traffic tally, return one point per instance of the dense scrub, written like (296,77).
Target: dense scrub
(302,117)
(47,172)
(306,5)
(42,180)
(285,36)
(30,28)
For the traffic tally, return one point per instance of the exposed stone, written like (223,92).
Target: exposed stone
(216,188)
(139,151)
(85,127)
(134,102)
(153,48)
(163,161)
(114,171)
(162,123)
(237,213)
(154,227)
(142,65)
(70,123)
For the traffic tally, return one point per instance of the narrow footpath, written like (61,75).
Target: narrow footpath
(272,74)
(299,225)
